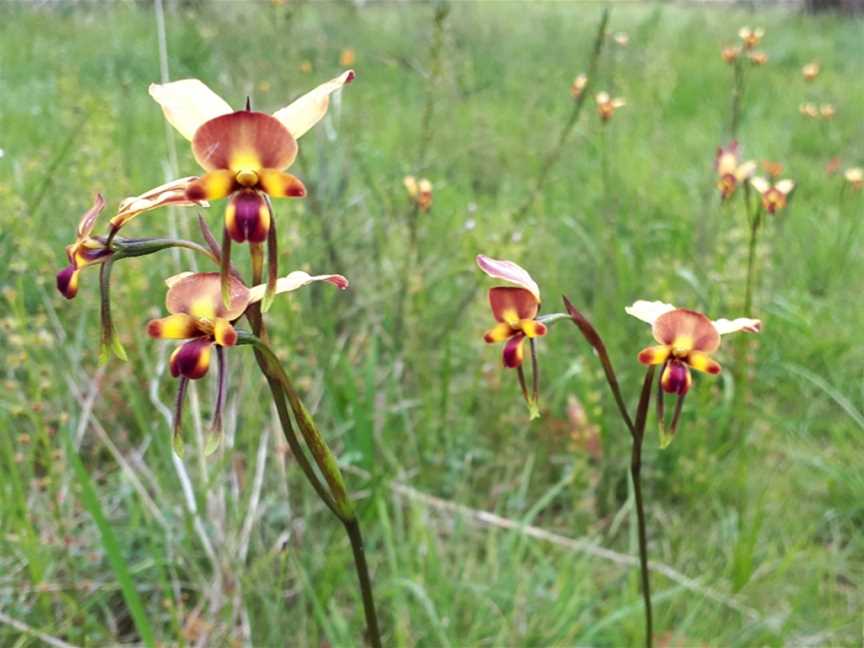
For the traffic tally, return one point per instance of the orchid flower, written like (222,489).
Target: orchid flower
(606,105)
(810,71)
(199,315)
(730,53)
(85,251)
(578,85)
(751,37)
(757,58)
(244,154)
(419,191)
(88,250)
(774,194)
(855,177)
(686,339)
(730,170)
(515,309)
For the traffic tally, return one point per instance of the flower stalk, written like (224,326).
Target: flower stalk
(637,434)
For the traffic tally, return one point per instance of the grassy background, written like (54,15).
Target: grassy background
(760,499)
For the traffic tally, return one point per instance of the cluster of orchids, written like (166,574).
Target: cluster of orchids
(244,155)
(772,196)
(685,340)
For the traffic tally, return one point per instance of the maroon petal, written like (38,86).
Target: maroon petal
(247,217)
(67,281)
(192,359)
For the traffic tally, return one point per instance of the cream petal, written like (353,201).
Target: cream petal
(309,109)
(295,280)
(746,170)
(508,271)
(648,311)
(725,326)
(760,184)
(187,104)
(785,186)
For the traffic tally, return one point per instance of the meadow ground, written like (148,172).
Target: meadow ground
(760,499)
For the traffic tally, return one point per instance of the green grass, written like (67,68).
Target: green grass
(760,498)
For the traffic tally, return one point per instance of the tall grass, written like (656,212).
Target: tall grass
(766,521)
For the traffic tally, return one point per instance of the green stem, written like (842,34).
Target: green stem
(373,634)
(282,388)
(751,262)
(737,93)
(636,473)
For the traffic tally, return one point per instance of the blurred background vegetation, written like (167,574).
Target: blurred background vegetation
(757,508)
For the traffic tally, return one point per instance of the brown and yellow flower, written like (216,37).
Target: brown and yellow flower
(809,109)
(757,58)
(578,85)
(827,111)
(686,339)
(419,191)
(730,53)
(731,172)
(244,153)
(855,177)
(810,71)
(774,195)
(606,105)
(750,38)
(513,307)
(85,251)
(205,320)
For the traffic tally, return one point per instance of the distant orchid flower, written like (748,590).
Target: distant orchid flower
(578,85)
(757,58)
(85,251)
(827,111)
(621,38)
(730,53)
(606,105)
(750,38)
(420,192)
(810,110)
(731,171)
(199,315)
(686,339)
(347,57)
(855,177)
(774,194)
(810,71)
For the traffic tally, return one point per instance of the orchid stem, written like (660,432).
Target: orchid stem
(636,427)
(636,474)
(737,94)
(337,499)
(751,262)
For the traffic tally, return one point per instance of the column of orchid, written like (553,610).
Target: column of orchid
(244,155)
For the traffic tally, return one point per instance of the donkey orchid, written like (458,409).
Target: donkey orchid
(751,37)
(810,71)
(855,177)
(171,193)
(419,191)
(774,194)
(578,85)
(606,105)
(686,339)
(199,315)
(514,309)
(244,153)
(85,251)
(730,170)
